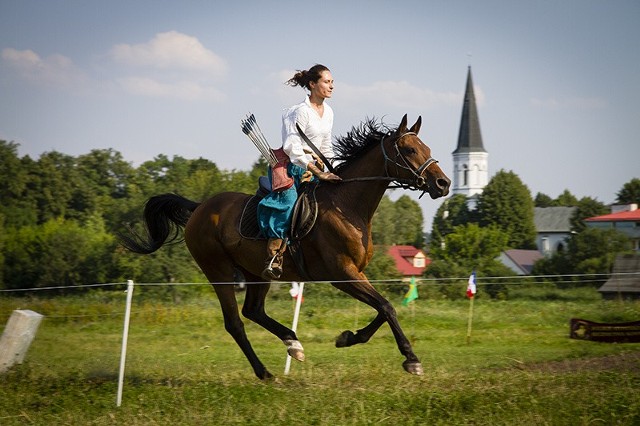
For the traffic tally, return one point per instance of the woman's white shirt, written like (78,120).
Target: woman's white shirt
(318,130)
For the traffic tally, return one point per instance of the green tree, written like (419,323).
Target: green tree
(408,222)
(470,248)
(240,181)
(166,175)
(383,223)
(107,171)
(3,237)
(172,263)
(629,193)
(10,167)
(17,206)
(21,257)
(585,208)
(506,203)
(258,169)
(543,200)
(453,212)
(566,199)
(61,213)
(53,182)
(104,182)
(382,266)
(397,222)
(591,251)
(58,252)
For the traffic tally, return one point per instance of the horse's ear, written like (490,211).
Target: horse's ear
(402,128)
(416,127)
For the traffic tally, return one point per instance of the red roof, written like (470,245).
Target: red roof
(628,216)
(403,256)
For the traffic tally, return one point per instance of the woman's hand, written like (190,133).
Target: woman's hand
(324,176)
(319,162)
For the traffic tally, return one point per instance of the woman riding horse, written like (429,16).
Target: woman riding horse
(336,249)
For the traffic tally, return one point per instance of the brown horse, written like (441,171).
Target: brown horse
(337,249)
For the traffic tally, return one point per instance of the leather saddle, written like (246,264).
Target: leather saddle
(305,212)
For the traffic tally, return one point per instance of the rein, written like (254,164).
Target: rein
(418,183)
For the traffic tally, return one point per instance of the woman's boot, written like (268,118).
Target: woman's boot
(273,265)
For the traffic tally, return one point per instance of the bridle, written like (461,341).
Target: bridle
(418,182)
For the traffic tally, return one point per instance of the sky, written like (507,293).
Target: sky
(556,82)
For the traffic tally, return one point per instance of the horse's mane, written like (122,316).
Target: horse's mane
(358,140)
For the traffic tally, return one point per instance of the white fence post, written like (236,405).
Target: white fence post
(294,327)
(17,337)
(125,338)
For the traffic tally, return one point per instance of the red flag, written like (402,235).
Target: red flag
(471,288)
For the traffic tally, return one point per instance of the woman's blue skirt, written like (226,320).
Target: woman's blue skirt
(275,210)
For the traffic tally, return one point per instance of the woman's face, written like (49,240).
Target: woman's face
(322,88)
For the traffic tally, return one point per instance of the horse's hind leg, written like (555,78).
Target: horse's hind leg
(348,338)
(234,326)
(362,290)
(253,309)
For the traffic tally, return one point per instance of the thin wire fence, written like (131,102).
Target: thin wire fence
(576,279)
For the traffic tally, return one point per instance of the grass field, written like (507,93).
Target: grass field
(520,367)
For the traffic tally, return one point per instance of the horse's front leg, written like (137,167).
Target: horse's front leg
(361,289)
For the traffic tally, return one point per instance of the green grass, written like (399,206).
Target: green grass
(182,368)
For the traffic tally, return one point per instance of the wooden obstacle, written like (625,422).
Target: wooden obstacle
(621,332)
(17,337)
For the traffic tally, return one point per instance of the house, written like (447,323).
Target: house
(410,261)
(553,227)
(624,282)
(520,261)
(623,218)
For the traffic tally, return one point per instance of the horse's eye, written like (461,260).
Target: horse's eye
(408,151)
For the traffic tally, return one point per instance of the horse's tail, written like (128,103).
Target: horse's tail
(164,216)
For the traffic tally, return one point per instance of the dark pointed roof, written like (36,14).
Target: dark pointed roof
(469,138)
(624,279)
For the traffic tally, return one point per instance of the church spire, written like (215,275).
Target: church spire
(469,137)
(470,159)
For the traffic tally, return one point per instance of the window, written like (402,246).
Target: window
(475,176)
(624,225)
(465,175)
(545,244)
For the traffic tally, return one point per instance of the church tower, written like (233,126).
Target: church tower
(470,159)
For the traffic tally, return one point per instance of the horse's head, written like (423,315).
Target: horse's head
(409,160)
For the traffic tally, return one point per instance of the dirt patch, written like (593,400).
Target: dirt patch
(625,362)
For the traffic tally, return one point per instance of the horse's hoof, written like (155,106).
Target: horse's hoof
(294,349)
(266,376)
(345,339)
(297,354)
(413,367)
